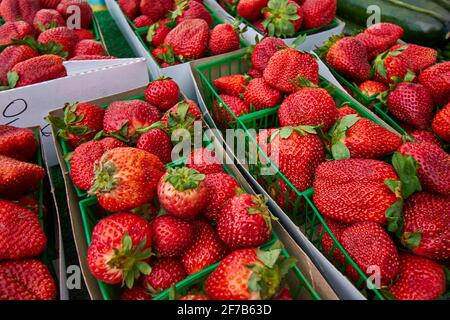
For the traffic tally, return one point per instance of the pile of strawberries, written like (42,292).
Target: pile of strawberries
(35,40)
(283,18)
(179,30)
(407,78)
(22,238)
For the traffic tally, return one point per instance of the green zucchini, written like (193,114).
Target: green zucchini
(443,3)
(440,11)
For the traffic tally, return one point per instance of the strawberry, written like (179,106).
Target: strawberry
(372,88)
(380,37)
(194,297)
(308,107)
(49,4)
(83,34)
(130,8)
(425,136)
(81,122)
(282,18)
(84,157)
(17,177)
(328,245)
(417,57)
(259,95)
(157,142)
(223,38)
(234,277)
(264,50)
(411,103)
(26,280)
(21,233)
(89,47)
(258,25)
(187,10)
(182,192)
(153,9)
(341,189)
(251,9)
(286,65)
(441,123)
(356,137)
(318,13)
(232,85)
(222,188)
(435,79)
(120,249)
(419,279)
(135,293)
(348,57)
(426,221)
(369,245)
(47,19)
(165,272)
(345,111)
(14,30)
(126,178)
(123,119)
(91,57)
(163,93)
(206,249)
(17,143)
(169,5)
(158,32)
(172,236)
(181,116)
(143,21)
(189,39)
(63,36)
(14,10)
(204,161)
(388,66)
(65,8)
(227,117)
(433,165)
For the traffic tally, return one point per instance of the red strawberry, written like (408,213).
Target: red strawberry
(425,136)
(130,8)
(190,10)
(433,165)
(370,246)
(345,111)
(81,122)
(50,4)
(26,280)
(388,66)
(426,221)
(435,79)
(22,235)
(62,35)
(328,244)
(157,142)
(163,93)
(17,143)
(158,32)
(172,236)
(222,188)
(120,249)
(182,192)
(165,272)
(14,30)
(223,116)
(91,57)
(83,34)
(194,297)
(411,103)
(259,95)
(419,279)
(17,177)
(308,107)
(135,293)
(126,178)
(206,250)
(264,50)
(223,38)
(417,57)
(372,88)
(258,25)
(282,18)
(233,85)
(65,8)
(153,9)
(14,10)
(379,38)
(189,38)
(318,13)
(251,9)
(204,161)
(143,21)
(82,162)
(47,19)
(32,204)
(441,123)
(89,47)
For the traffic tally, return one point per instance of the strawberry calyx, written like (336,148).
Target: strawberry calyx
(13,78)
(261,208)
(181,119)
(155,125)
(105,177)
(131,260)
(184,178)
(67,125)
(302,82)
(286,132)
(411,240)
(51,47)
(178,12)
(281,15)
(338,132)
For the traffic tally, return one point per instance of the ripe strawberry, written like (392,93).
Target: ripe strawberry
(63,36)
(318,13)
(435,79)
(126,178)
(369,245)
(81,122)
(388,66)
(223,116)
(182,192)
(233,85)
(345,111)
(120,248)
(425,136)
(433,166)
(187,10)
(222,188)
(341,189)
(163,93)
(157,142)
(411,103)
(14,30)
(49,4)
(426,221)
(348,57)
(259,95)
(264,50)
(47,19)
(130,8)
(17,143)
(89,47)
(441,123)
(17,177)
(308,107)
(356,137)
(153,9)
(14,10)
(165,272)
(135,293)
(251,9)
(419,279)
(123,119)
(258,25)
(372,88)
(189,38)
(143,21)
(194,297)
(417,57)
(84,158)
(282,18)
(32,204)
(83,34)
(172,236)
(204,161)
(380,37)
(26,280)
(91,57)
(169,5)
(286,65)
(158,32)
(223,38)
(65,8)
(328,245)
(22,235)
(206,249)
